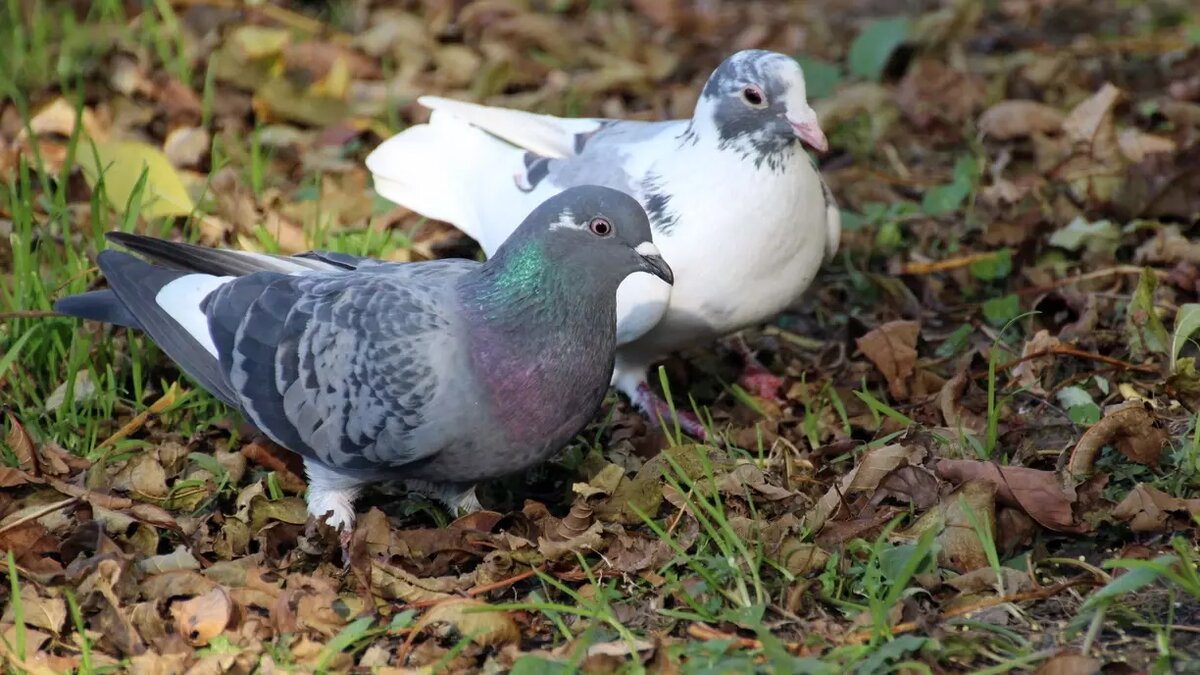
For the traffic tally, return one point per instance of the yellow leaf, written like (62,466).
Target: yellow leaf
(478,621)
(259,42)
(122,163)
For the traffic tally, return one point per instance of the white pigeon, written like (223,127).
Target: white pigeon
(738,208)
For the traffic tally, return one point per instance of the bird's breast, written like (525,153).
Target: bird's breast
(748,243)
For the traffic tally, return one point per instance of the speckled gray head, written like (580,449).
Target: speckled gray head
(757,103)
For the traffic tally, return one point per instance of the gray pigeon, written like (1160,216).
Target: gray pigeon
(445,372)
(737,205)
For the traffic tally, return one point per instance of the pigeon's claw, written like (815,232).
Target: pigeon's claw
(658,411)
(760,382)
(755,377)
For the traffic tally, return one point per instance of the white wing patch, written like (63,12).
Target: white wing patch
(181,300)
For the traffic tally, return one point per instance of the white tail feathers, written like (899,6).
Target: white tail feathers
(421,169)
(463,167)
(544,135)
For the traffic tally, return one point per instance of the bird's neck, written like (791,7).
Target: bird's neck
(543,339)
(521,285)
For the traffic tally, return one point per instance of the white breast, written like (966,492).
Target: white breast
(748,242)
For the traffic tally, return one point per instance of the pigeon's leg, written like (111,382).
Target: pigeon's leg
(755,377)
(658,411)
(458,498)
(629,377)
(332,494)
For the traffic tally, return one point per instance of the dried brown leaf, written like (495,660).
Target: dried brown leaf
(21,445)
(954,412)
(931,91)
(1093,117)
(203,617)
(1034,491)
(40,611)
(1069,664)
(1018,119)
(477,620)
(1130,428)
(179,559)
(956,519)
(865,477)
(1148,509)
(892,347)
(914,485)
(984,580)
(1029,372)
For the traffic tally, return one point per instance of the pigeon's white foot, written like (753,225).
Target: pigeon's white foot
(332,494)
(464,502)
(755,377)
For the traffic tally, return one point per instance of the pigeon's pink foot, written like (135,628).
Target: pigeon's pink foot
(760,382)
(755,377)
(655,409)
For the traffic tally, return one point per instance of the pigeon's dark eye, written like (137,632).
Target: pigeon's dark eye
(753,96)
(600,227)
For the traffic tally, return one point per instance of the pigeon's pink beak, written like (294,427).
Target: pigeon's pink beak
(810,134)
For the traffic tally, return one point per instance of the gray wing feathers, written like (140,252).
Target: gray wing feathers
(226,262)
(340,368)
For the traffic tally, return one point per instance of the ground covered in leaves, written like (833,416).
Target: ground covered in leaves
(987,457)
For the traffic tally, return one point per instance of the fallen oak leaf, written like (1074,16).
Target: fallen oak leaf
(1036,492)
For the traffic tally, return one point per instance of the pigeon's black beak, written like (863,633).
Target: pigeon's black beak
(652,262)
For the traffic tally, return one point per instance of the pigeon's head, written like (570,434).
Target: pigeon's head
(593,231)
(757,100)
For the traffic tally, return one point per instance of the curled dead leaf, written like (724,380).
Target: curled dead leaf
(575,523)
(21,445)
(957,415)
(1130,428)
(203,617)
(1018,119)
(1028,372)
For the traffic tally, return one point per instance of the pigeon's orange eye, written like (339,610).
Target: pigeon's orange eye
(600,227)
(753,96)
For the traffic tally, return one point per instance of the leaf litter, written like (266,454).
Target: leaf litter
(1002,361)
